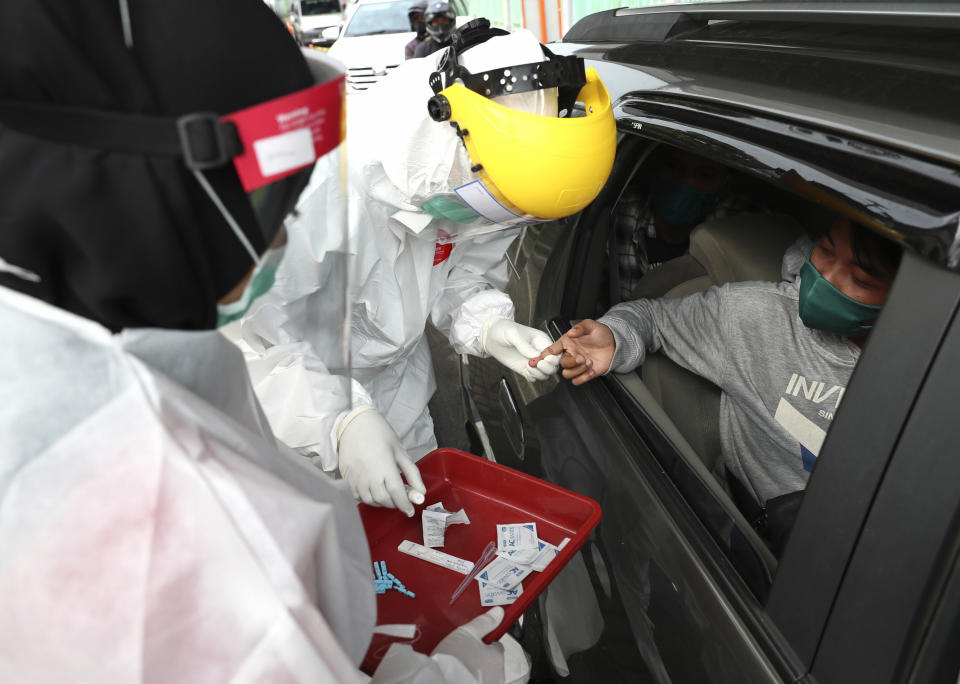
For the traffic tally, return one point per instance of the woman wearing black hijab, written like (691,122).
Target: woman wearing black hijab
(118,233)
(151,527)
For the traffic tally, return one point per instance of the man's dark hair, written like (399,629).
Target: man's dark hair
(874,254)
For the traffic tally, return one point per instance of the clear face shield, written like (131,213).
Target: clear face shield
(293,170)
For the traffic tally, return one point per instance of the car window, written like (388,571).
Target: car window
(319,7)
(756,230)
(377,18)
(734,232)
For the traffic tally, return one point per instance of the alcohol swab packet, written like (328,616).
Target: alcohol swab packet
(517,537)
(503,573)
(547,554)
(435,520)
(491,595)
(526,556)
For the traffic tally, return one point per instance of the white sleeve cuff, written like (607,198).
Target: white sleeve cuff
(469,320)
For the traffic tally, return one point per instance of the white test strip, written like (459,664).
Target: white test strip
(444,560)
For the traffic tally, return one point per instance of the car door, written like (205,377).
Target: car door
(864,588)
(702,597)
(652,567)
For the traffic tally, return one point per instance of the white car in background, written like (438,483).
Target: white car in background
(371,43)
(310,18)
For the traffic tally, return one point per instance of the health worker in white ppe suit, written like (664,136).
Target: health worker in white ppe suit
(449,157)
(152,529)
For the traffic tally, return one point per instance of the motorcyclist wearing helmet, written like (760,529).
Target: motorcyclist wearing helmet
(440,20)
(418,25)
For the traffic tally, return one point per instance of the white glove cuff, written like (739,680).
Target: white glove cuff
(468,321)
(486,328)
(342,427)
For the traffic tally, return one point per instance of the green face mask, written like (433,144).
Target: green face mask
(824,307)
(264,275)
(447,208)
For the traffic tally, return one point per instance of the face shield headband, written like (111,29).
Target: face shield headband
(271,145)
(568,157)
(566,74)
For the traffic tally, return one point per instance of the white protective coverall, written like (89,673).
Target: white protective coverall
(401,276)
(153,530)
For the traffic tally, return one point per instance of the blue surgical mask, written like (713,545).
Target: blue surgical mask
(680,204)
(824,307)
(264,275)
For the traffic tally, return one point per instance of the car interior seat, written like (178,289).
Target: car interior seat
(730,249)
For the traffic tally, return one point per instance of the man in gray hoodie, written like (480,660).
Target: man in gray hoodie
(781,353)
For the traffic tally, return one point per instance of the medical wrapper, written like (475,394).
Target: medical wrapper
(495,596)
(504,573)
(435,520)
(518,542)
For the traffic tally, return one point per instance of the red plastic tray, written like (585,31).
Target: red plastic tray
(490,494)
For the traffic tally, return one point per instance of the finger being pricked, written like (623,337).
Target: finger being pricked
(553,350)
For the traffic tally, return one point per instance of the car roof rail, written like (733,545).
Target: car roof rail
(659,23)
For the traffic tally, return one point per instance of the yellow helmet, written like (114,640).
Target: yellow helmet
(535,167)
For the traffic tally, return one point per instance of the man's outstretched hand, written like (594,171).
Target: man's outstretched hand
(587,350)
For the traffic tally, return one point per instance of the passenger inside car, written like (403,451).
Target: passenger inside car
(781,354)
(673,192)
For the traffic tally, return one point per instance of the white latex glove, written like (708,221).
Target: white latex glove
(514,345)
(371,459)
(501,661)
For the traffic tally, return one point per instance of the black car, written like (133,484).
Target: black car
(847,107)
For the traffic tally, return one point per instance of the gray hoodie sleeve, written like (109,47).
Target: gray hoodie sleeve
(691,331)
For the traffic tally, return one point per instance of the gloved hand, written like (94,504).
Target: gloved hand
(371,459)
(514,345)
(501,661)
